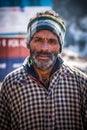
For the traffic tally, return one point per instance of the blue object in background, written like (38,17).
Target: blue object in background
(22,3)
(8,65)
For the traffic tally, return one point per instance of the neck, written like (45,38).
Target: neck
(43,74)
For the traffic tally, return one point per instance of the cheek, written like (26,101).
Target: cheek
(55,48)
(33,46)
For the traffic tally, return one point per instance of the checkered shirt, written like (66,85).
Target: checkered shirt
(26,104)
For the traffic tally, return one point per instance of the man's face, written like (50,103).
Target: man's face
(44,48)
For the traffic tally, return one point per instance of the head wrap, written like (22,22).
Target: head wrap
(46,22)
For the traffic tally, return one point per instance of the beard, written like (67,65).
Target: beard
(43,64)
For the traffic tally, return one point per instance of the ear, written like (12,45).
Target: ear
(59,49)
(27,45)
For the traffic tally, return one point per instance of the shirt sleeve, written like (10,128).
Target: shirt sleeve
(4,110)
(83,87)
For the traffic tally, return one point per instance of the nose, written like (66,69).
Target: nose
(44,45)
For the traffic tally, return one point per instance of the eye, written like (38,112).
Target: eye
(37,39)
(52,41)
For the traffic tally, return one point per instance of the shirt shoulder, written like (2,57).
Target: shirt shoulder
(13,77)
(77,74)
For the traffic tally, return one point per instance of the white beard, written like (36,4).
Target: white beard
(42,64)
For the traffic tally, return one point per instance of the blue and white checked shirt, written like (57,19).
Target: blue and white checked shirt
(27,104)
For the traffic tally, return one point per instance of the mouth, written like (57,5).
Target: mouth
(43,57)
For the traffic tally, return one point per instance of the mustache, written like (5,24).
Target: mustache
(44,53)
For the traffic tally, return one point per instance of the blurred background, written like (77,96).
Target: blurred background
(14,17)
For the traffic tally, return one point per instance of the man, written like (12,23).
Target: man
(44,93)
